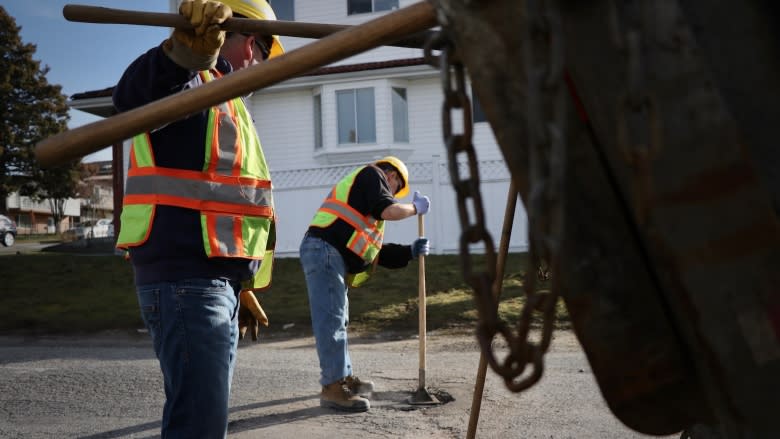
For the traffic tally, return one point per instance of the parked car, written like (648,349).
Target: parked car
(7,231)
(101,228)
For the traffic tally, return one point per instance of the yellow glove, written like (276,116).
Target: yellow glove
(250,315)
(198,48)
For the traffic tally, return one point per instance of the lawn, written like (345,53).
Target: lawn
(50,293)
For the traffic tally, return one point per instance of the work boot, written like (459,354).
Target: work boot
(338,396)
(358,387)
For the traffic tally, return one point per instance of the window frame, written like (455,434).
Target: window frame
(351,9)
(319,143)
(357,112)
(393,88)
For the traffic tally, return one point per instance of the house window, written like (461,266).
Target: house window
(356,115)
(284,9)
(400,115)
(317,121)
(365,6)
(477,113)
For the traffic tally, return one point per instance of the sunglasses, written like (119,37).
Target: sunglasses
(263,43)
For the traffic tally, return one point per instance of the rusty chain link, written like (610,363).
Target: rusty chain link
(547,125)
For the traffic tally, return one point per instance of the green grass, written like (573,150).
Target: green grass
(64,294)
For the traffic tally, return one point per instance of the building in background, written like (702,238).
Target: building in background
(316,128)
(96,201)
(34,217)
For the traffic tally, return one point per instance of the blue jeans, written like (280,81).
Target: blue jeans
(325,274)
(194,328)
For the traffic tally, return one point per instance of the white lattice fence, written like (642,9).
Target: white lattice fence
(299,192)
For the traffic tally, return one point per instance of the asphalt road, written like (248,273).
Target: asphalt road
(23,247)
(109,386)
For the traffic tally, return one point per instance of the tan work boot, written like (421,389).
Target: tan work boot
(338,396)
(358,387)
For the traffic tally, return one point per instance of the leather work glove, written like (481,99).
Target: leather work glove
(198,48)
(250,315)
(420,246)
(421,203)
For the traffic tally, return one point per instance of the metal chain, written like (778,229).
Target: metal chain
(639,137)
(466,187)
(546,161)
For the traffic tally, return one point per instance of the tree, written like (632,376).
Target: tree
(55,185)
(31,110)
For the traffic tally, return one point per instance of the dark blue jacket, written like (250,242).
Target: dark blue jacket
(174,250)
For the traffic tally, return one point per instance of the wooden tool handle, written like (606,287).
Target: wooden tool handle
(98,14)
(421,302)
(93,137)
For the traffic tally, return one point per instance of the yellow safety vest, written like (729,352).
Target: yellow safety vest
(232,192)
(366,239)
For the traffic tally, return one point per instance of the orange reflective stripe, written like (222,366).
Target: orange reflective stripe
(374,239)
(208,206)
(197,175)
(239,195)
(348,213)
(211,226)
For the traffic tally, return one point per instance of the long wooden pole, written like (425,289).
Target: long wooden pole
(89,138)
(101,15)
(503,250)
(421,304)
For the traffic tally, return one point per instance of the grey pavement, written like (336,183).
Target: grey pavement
(109,386)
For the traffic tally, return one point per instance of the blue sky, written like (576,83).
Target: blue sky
(84,56)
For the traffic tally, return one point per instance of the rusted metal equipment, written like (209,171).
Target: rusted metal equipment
(656,213)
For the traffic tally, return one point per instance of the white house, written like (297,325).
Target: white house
(387,101)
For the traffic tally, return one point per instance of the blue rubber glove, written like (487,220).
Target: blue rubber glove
(420,246)
(421,203)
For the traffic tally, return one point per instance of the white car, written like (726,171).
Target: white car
(7,231)
(101,228)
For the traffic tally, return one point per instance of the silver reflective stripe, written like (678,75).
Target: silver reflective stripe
(224,232)
(228,133)
(198,190)
(357,219)
(359,244)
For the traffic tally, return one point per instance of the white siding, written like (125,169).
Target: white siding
(285,125)
(335,12)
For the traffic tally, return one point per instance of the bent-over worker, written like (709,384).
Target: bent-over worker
(339,251)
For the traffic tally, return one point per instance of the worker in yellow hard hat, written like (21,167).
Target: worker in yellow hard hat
(194,237)
(340,250)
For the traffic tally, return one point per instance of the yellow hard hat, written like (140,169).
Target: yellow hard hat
(401,167)
(259,10)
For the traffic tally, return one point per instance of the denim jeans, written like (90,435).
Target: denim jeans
(325,274)
(194,328)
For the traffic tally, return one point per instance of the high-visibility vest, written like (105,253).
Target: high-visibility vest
(366,239)
(232,192)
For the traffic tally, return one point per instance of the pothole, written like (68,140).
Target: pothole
(408,401)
